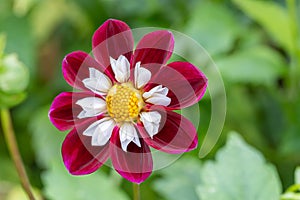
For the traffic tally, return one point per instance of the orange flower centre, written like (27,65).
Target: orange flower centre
(124,102)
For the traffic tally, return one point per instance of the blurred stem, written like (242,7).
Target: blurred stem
(14,151)
(294,72)
(136,191)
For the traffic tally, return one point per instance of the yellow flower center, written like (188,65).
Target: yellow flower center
(124,102)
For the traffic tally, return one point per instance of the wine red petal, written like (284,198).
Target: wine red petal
(134,165)
(154,50)
(64,110)
(112,39)
(176,134)
(186,83)
(75,68)
(79,156)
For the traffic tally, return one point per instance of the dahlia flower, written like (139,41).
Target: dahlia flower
(124,102)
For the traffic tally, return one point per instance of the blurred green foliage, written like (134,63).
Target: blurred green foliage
(256,46)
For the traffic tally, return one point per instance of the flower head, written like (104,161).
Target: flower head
(125,103)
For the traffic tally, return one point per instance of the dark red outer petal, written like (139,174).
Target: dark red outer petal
(186,83)
(79,156)
(176,133)
(75,68)
(136,164)
(64,110)
(154,50)
(112,39)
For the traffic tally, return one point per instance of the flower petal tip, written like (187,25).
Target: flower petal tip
(80,158)
(137,178)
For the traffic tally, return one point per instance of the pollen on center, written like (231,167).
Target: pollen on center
(124,102)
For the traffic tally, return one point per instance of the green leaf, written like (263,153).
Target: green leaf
(239,172)
(14,76)
(180,179)
(214,26)
(258,66)
(272,17)
(59,185)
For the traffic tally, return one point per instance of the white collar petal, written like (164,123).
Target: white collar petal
(141,75)
(91,106)
(100,131)
(121,68)
(158,96)
(151,121)
(128,134)
(98,82)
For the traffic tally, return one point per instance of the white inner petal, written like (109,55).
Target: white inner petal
(158,96)
(151,121)
(92,106)
(100,131)
(121,68)
(128,134)
(97,82)
(159,100)
(141,75)
(158,90)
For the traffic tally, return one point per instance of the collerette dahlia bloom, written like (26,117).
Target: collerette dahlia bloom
(125,102)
